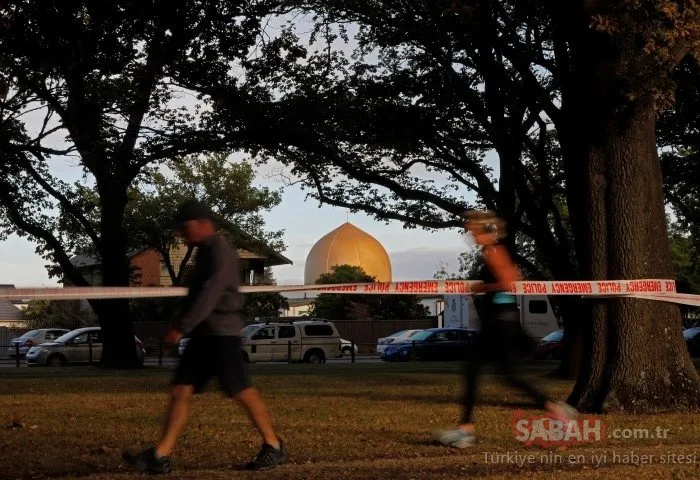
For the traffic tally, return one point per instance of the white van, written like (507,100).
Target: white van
(309,341)
(537,317)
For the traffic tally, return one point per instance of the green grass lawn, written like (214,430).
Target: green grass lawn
(339,421)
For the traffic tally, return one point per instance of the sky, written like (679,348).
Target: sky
(415,254)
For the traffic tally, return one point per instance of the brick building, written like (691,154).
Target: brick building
(149,269)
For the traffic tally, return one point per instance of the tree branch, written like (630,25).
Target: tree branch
(407,193)
(67,205)
(59,253)
(165,253)
(531,267)
(183,264)
(379,213)
(144,88)
(679,205)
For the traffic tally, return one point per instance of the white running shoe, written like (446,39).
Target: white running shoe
(456,438)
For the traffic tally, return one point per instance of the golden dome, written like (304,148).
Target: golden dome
(347,245)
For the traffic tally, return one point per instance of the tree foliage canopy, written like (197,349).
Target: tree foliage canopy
(70,314)
(227,188)
(363,307)
(112,87)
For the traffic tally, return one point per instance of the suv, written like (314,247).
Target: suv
(307,341)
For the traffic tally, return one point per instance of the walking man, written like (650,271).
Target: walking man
(211,319)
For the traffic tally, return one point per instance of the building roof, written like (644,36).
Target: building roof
(10,313)
(244,240)
(299,302)
(14,301)
(237,237)
(347,245)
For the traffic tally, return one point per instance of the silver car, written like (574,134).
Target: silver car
(382,343)
(74,347)
(33,338)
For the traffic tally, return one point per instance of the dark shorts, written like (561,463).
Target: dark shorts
(206,357)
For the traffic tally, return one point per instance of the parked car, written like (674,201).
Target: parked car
(434,344)
(692,340)
(394,337)
(32,338)
(312,341)
(182,345)
(74,347)
(346,347)
(551,347)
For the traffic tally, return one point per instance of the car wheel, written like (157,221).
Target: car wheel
(56,360)
(314,357)
(550,356)
(346,351)
(245,357)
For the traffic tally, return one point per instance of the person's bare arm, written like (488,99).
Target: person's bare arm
(501,265)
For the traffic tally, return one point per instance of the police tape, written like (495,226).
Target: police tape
(678,298)
(651,289)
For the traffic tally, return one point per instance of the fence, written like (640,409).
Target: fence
(366,332)
(7,334)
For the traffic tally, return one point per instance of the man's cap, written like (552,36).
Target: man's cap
(191,210)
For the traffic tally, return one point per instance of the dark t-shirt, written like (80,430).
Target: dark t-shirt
(213,303)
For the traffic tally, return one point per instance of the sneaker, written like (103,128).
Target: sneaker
(456,438)
(568,413)
(268,457)
(146,461)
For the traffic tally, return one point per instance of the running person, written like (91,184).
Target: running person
(501,335)
(211,319)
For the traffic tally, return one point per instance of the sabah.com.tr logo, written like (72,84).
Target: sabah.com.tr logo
(545,431)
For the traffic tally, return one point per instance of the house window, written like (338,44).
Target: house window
(318,330)
(537,307)
(286,331)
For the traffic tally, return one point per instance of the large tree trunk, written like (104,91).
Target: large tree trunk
(570,309)
(634,354)
(119,347)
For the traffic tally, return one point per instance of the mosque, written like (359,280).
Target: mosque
(346,245)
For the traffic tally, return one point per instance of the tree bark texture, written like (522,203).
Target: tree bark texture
(119,347)
(634,356)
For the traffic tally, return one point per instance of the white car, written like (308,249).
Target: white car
(382,343)
(182,344)
(307,341)
(346,347)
